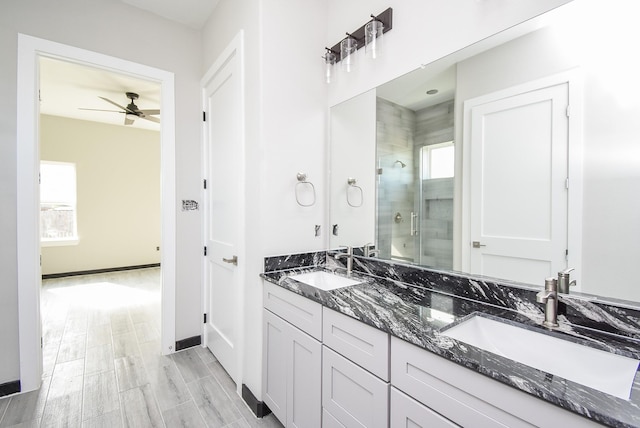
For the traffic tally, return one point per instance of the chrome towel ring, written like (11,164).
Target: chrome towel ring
(303,185)
(356,193)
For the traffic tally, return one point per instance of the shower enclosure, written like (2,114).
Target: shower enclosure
(415,183)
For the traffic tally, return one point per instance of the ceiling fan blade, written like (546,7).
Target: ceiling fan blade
(151,111)
(116,104)
(99,109)
(151,118)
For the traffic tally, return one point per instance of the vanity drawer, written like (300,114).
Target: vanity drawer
(360,343)
(440,385)
(298,310)
(468,398)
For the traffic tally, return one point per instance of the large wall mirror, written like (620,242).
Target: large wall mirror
(514,158)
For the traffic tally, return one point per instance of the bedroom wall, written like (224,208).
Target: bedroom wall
(118,193)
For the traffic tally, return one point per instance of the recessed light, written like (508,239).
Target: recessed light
(432,91)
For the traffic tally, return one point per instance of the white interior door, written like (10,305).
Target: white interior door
(519,172)
(224,177)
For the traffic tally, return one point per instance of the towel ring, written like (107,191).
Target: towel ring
(301,185)
(351,182)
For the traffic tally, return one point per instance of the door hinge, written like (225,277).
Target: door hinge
(205,251)
(41,343)
(205,319)
(205,183)
(566,183)
(204,116)
(568,111)
(566,254)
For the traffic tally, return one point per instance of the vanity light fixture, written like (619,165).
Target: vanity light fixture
(370,35)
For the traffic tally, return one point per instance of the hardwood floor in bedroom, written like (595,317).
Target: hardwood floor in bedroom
(103,368)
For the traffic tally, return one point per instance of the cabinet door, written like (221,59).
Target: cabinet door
(291,373)
(354,397)
(408,413)
(304,405)
(274,365)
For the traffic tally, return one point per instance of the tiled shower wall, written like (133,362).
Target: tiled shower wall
(434,125)
(401,133)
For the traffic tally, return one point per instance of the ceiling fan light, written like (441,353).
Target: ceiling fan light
(131,116)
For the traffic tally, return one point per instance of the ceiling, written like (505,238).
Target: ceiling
(193,13)
(66,87)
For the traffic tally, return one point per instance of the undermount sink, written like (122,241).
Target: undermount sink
(324,280)
(603,371)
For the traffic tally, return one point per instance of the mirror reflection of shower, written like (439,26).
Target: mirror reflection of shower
(415,183)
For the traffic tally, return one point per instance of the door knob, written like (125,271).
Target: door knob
(233,260)
(477,244)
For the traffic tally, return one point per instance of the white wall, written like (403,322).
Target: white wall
(118,193)
(106,27)
(353,138)
(423,31)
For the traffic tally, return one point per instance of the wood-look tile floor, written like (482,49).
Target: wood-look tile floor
(103,367)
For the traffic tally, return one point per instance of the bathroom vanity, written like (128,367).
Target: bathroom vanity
(391,350)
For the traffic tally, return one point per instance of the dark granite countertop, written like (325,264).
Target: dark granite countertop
(415,304)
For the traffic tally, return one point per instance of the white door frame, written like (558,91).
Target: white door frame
(30,49)
(574,80)
(234,49)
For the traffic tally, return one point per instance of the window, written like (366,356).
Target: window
(58,224)
(438,160)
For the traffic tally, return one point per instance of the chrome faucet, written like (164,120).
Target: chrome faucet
(549,296)
(349,256)
(564,281)
(370,251)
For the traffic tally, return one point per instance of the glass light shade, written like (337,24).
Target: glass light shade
(348,49)
(330,59)
(373,32)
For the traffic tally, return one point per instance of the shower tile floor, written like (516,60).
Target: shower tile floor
(102,365)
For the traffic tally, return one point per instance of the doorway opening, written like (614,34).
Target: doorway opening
(99,212)
(30,50)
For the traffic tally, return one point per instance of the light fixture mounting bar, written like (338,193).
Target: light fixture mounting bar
(385,17)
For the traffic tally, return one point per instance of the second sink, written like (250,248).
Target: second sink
(604,371)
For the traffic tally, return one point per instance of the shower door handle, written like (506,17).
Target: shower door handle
(414,230)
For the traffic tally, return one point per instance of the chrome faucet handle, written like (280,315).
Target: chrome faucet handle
(564,281)
(367,248)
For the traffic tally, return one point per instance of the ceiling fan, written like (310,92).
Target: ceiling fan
(131,111)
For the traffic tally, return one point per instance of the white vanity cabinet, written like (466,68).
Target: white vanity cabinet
(467,398)
(355,373)
(292,357)
(407,412)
